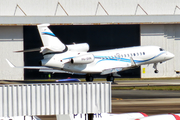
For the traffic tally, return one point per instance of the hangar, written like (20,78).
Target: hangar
(102,24)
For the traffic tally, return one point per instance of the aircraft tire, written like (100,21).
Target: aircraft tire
(156,71)
(89,78)
(110,78)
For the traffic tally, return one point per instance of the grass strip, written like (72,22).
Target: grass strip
(173,88)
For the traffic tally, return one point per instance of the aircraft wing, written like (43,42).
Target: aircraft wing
(111,70)
(26,67)
(118,69)
(42,69)
(51,70)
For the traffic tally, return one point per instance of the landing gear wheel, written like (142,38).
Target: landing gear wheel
(89,78)
(156,71)
(110,78)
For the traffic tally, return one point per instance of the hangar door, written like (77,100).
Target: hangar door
(99,37)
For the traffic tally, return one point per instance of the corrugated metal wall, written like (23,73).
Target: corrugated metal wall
(55,99)
(167,37)
(11,39)
(92,7)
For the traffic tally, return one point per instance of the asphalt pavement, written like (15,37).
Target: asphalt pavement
(154,82)
(144,94)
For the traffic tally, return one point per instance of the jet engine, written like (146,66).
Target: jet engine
(81,47)
(83,59)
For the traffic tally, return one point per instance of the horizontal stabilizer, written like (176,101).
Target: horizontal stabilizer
(29,50)
(111,70)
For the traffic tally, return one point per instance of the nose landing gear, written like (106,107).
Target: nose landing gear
(155,67)
(156,71)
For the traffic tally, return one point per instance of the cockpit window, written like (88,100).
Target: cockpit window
(161,49)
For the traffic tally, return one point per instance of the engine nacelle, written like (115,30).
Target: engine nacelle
(83,59)
(81,47)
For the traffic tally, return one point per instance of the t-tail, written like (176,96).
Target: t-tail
(50,41)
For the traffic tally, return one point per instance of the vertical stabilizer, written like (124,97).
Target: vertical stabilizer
(50,41)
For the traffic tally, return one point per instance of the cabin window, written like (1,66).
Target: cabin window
(137,54)
(161,49)
(124,55)
(128,55)
(131,54)
(118,55)
(134,54)
(143,53)
(140,53)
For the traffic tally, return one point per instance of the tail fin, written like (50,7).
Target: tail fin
(50,41)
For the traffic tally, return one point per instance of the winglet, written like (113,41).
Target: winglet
(10,64)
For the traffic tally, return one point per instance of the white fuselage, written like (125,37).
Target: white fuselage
(106,59)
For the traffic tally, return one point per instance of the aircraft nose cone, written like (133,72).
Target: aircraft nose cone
(169,55)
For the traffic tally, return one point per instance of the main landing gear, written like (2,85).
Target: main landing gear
(110,78)
(155,67)
(89,78)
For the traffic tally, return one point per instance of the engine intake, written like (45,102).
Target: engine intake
(83,59)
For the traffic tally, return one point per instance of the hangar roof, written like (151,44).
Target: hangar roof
(90,20)
(88,7)
(72,12)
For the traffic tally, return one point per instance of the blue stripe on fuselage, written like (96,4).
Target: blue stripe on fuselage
(139,61)
(105,58)
(124,59)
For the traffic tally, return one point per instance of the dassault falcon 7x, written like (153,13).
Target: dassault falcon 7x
(75,58)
